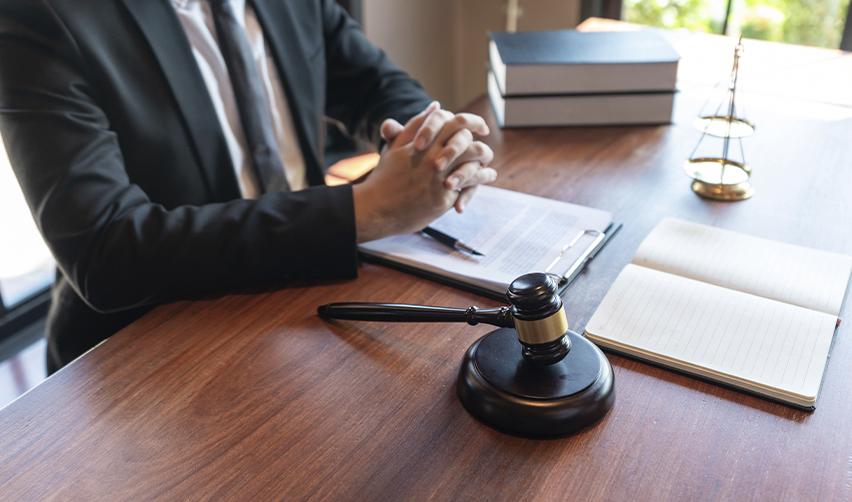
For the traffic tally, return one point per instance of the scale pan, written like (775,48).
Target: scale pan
(721,127)
(717,171)
(719,179)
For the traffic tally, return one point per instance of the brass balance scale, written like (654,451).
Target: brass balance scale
(723,177)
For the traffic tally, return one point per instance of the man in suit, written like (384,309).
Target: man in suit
(171,149)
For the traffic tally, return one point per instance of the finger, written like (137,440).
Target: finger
(455,147)
(464,199)
(483,176)
(460,176)
(414,124)
(433,124)
(478,151)
(474,123)
(478,124)
(390,129)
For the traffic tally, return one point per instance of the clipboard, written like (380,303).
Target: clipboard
(599,241)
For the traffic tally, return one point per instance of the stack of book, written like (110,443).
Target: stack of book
(567,77)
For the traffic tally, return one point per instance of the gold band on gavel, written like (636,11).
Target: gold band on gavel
(543,330)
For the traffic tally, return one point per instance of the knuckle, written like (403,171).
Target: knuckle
(473,120)
(460,141)
(470,168)
(445,115)
(436,163)
(432,123)
(460,144)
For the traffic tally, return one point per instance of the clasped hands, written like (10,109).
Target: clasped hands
(430,164)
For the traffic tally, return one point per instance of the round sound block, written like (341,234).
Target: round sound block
(502,389)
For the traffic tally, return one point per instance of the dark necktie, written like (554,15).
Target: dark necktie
(252,101)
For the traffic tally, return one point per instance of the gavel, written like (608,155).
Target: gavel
(536,313)
(533,377)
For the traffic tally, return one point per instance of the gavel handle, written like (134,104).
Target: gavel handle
(401,312)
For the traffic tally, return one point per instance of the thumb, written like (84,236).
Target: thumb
(390,129)
(405,134)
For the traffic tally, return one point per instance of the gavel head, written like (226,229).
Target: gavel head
(539,318)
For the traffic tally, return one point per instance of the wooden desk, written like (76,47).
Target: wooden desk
(252,396)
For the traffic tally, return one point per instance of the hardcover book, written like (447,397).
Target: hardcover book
(569,62)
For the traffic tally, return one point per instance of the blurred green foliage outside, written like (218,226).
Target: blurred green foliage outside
(806,22)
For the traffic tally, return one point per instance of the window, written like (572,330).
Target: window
(806,22)
(26,267)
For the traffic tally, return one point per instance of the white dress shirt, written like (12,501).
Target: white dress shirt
(197,21)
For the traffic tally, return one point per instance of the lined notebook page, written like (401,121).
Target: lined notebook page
(747,341)
(792,274)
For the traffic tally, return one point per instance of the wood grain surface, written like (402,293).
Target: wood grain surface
(254,397)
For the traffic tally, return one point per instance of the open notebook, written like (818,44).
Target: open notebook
(518,233)
(748,312)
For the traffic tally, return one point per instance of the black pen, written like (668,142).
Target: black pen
(449,240)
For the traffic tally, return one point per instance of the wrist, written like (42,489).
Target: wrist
(367,217)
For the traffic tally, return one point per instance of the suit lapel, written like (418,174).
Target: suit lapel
(164,33)
(289,52)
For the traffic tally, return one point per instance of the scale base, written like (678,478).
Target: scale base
(502,389)
(739,191)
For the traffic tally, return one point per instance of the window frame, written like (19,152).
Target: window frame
(21,316)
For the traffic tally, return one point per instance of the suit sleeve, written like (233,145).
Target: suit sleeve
(117,248)
(363,86)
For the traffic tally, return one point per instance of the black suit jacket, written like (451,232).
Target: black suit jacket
(114,140)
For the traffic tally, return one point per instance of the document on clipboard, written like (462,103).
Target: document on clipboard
(517,233)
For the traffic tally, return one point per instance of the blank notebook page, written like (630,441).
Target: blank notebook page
(734,337)
(792,274)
